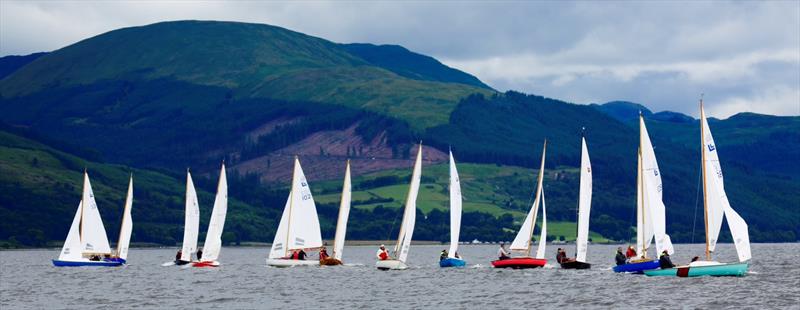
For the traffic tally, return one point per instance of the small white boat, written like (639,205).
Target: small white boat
(191,226)
(341,223)
(409,219)
(453,259)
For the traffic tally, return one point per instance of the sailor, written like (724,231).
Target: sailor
(696,258)
(199,254)
(664,261)
(631,252)
(502,253)
(443,255)
(301,255)
(178,255)
(323,254)
(560,255)
(457,256)
(620,258)
(382,254)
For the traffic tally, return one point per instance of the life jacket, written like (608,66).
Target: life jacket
(384,255)
(295,255)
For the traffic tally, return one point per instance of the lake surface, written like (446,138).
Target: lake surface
(29,281)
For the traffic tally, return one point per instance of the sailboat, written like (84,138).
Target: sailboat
(213,243)
(522,242)
(341,222)
(453,259)
(716,206)
(650,218)
(409,219)
(125,227)
(584,208)
(191,226)
(299,225)
(87,242)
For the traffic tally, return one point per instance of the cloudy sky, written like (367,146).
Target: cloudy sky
(745,56)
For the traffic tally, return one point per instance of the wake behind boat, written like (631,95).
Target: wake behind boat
(522,242)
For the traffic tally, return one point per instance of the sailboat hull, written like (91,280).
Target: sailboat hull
(64,263)
(283,263)
(206,264)
(638,267)
(452,262)
(391,264)
(719,270)
(575,265)
(519,263)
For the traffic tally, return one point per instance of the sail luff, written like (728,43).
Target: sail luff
(409,216)
(641,247)
(584,204)
(216,225)
(455,208)
(292,192)
(344,213)
(538,195)
(705,189)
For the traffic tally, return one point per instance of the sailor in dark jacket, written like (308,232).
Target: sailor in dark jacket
(621,259)
(664,261)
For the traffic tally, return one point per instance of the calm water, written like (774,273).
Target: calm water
(29,281)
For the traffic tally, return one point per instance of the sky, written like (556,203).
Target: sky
(743,56)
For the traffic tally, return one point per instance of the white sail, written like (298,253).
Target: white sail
(191,224)
(278,249)
(410,212)
(717,202)
(93,233)
(543,234)
(455,208)
(72,245)
(644,226)
(522,242)
(344,213)
(126,227)
(299,226)
(213,244)
(584,204)
(652,190)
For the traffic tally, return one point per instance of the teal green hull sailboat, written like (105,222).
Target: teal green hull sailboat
(716,206)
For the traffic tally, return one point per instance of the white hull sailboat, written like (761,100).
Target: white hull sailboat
(409,219)
(522,242)
(213,244)
(87,242)
(584,209)
(299,226)
(191,226)
(716,206)
(453,259)
(341,222)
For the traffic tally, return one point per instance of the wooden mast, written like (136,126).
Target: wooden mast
(641,188)
(291,202)
(705,193)
(538,192)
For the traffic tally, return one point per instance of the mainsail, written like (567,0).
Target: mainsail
(584,203)
(716,201)
(455,207)
(213,244)
(651,190)
(92,232)
(344,213)
(299,226)
(410,211)
(522,242)
(126,227)
(191,221)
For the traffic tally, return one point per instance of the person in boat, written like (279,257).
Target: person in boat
(621,259)
(696,258)
(560,255)
(199,254)
(443,255)
(382,254)
(178,255)
(502,253)
(664,261)
(301,255)
(631,252)
(94,258)
(323,254)
(457,256)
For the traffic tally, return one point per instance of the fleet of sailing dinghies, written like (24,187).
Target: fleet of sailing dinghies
(453,259)
(716,206)
(407,226)
(213,243)
(522,242)
(87,243)
(299,226)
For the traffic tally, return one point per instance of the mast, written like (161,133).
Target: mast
(538,193)
(578,209)
(705,192)
(400,234)
(291,202)
(85,175)
(122,222)
(641,188)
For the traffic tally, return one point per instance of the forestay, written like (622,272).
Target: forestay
(584,203)
(455,208)
(717,203)
(191,221)
(410,212)
(93,233)
(213,244)
(126,227)
(344,213)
